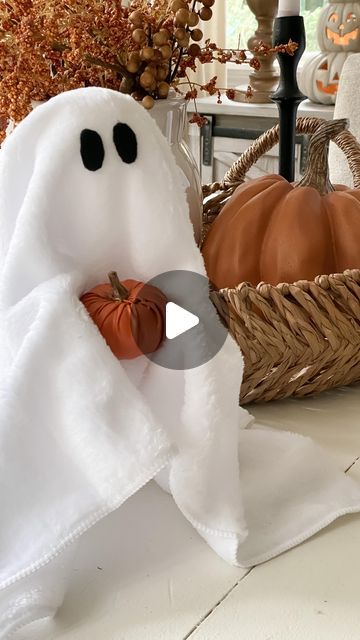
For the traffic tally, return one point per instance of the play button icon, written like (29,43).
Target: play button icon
(178,320)
(194,332)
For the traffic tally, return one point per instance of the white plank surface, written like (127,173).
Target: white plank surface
(310,593)
(164,583)
(160,582)
(303,595)
(332,419)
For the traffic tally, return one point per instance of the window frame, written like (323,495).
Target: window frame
(239,74)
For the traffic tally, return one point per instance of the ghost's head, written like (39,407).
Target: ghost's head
(91,179)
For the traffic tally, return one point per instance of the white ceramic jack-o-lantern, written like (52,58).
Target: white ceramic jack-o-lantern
(321,78)
(339,27)
(338,37)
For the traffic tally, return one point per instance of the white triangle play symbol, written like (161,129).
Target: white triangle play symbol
(178,320)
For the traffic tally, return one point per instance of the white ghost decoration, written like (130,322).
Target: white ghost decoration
(80,431)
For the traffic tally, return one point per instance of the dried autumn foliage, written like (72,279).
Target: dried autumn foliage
(44,44)
(50,46)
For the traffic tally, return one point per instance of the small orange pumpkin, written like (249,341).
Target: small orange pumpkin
(130,315)
(273,231)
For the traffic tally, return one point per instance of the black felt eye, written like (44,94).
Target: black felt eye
(91,149)
(125,142)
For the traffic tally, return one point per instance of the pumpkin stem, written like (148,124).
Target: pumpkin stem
(119,291)
(317,167)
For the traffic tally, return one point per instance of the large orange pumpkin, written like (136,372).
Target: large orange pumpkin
(130,315)
(273,231)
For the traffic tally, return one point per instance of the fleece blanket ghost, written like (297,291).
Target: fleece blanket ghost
(80,431)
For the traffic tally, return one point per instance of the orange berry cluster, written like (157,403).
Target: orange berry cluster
(151,68)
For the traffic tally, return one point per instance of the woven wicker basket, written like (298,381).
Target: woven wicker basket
(307,337)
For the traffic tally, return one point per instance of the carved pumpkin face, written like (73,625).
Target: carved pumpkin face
(319,81)
(327,84)
(340,35)
(339,27)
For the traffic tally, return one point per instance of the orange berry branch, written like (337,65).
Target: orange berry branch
(50,46)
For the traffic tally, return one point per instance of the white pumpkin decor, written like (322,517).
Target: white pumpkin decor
(338,36)
(339,27)
(321,77)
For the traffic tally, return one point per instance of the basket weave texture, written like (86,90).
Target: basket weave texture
(297,339)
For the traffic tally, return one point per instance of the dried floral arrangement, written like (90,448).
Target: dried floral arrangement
(50,46)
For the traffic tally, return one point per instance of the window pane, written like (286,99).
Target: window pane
(240,22)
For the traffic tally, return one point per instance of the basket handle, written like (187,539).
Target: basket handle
(236,174)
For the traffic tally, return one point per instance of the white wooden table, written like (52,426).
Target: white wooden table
(164,583)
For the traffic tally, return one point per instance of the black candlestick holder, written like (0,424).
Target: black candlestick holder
(288,95)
